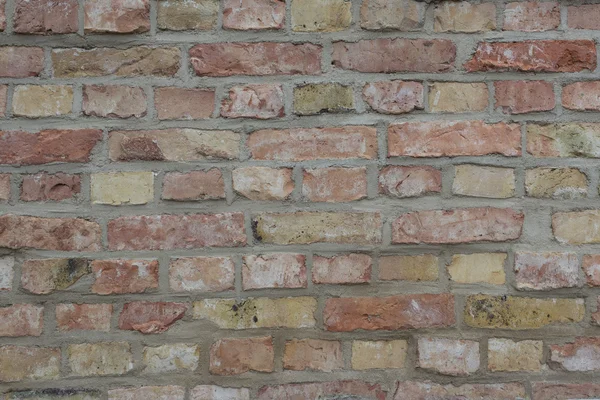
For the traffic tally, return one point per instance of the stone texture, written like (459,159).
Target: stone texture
(35,101)
(83,317)
(176,15)
(117,16)
(277,270)
(564,140)
(21,320)
(456,97)
(458,226)
(98,359)
(509,356)
(263,183)
(236,356)
(319,390)
(114,101)
(147,317)
(581,355)
(412,311)
(403,15)
(546,271)
(287,312)
(321,15)
(334,184)
(148,393)
(565,391)
(50,187)
(318,227)
(478,268)
(511,312)
(124,276)
(45,16)
(212,392)
(253,14)
(464,17)
(201,274)
(591,269)
(399,181)
(582,96)
(520,97)
(183,103)
(394,97)
(313,354)
(382,354)
(448,356)
(453,138)
(264,101)
(21,62)
(317,98)
(342,269)
(408,268)
(584,16)
(174,144)
(46,276)
(427,390)
(481,181)
(531,16)
(118,188)
(577,227)
(194,185)
(7,273)
(171,357)
(557,183)
(18,363)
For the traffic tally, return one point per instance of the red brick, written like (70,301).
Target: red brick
(342,269)
(334,184)
(394,97)
(278,270)
(117,16)
(453,138)
(531,16)
(201,274)
(427,390)
(301,144)
(448,356)
(582,96)
(253,14)
(581,355)
(21,363)
(254,101)
(24,148)
(591,268)
(565,391)
(114,101)
(400,181)
(124,276)
(4,186)
(519,97)
(545,271)
(413,311)
(21,62)
(21,320)
(46,16)
(263,183)
(313,354)
(53,187)
(534,56)
(85,317)
(267,58)
(319,390)
(166,232)
(194,185)
(395,55)
(182,103)
(46,276)
(236,356)
(584,16)
(458,226)
(147,317)
(64,234)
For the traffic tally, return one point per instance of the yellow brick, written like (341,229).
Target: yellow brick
(123,188)
(321,15)
(378,354)
(476,268)
(42,100)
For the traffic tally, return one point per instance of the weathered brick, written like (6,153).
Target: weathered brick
(302,144)
(263,183)
(321,15)
(212,392)
(531,16)
(236,356)
(313,354)
(48,146)
(565,391)
(50,187)
(45,16)
(183,103)
(318,227)
(534,56)
(134,61)
(448,356)
(118,188)
(400,181)
(264,101)
(277,270)
(452,138)
(267,58)
(316,98)
(596,315)
(408,268)
(342,269)
(64,234)
(288,312)
(382,354)
(48,275)
(464,17)
(394,97)
(558,183)
(564,140)
(545,271)
(148,393)
(18,363)
(7,273)
(458,226)
(175,15)
(582,96)
(456,97)
(117,16)
(21,320)
(171,357)
(34,101)
(478,268)
(395,55)
(5,187)
(591,268)
(21,62)
(334,184)
(174,144)
(577,227)
(114,101)
(511,312)
(202,274)
(510,356)
(55,394)
(83,317)
(194,185)
(581,355)
(520,97)
(2,15)
(481,181)
(3,99)
(412,311)
(253,14)
(583,16)
(124,276)
(481,391)
(319,390)
(97,359)
(148,317)
(165,232)
(403,15)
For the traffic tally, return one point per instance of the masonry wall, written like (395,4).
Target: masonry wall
(310,199)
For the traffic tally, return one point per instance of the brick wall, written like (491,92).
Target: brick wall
(301,199)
